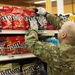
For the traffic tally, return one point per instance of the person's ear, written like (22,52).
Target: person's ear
(63,35)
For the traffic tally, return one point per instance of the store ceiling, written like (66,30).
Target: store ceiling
(28,2)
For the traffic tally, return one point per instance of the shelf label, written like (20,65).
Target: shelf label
(41,31)
(10,56)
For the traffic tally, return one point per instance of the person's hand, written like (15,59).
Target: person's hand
(40,11)
(33,30)
(33,23)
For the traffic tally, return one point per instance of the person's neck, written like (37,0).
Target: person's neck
(65,42)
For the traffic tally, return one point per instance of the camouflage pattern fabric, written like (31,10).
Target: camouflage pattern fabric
(54,20)
(60,58)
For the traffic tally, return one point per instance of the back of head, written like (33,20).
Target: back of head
(70,30)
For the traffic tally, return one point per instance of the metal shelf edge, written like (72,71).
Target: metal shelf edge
(25,31)
(17,56)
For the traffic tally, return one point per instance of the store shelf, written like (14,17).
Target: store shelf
(13,31)
(48,32)
(17,56)
(43,32)
(21,56)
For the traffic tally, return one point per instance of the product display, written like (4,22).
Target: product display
(17,21)
(71,17)
(33,22)
(6,20)
(42,23)
(18,18)
(11,45)
(2,46)
(33,68)
(14,18)
(9,69)
(52,40)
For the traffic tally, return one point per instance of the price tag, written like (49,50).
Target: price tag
(10,56)
(41,31)
(56,32)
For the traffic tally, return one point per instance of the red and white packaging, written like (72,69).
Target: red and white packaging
(0,23)
(10,40)
(6,17)
(23,48)
(29,12)
(12,45)
(9,8)
(16,9)
(26,21)
(49,26)
(41,22)
(16,45)
(18,21)
(0,17)
(6,20)
(2,46)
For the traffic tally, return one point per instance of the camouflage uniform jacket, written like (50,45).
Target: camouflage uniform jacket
(60,58)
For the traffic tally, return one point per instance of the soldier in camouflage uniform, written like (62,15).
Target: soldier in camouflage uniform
(60,58)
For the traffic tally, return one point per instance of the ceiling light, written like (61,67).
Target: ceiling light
(39,2)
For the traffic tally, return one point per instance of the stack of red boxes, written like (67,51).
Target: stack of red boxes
(13,45)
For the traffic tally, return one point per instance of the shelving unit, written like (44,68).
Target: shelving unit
(29,55)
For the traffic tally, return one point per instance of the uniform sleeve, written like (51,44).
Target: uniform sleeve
(40,49)
(55,21)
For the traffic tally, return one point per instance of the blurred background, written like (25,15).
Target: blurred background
(68,4)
